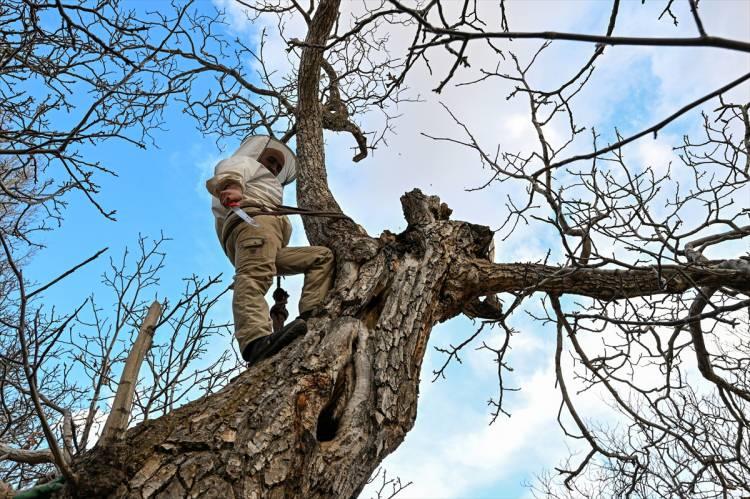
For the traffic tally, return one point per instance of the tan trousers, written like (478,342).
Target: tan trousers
(258,254)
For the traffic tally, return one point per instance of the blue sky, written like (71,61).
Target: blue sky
(451,452)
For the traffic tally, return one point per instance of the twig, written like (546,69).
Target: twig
(66,273)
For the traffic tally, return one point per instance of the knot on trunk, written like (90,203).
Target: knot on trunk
(420,209)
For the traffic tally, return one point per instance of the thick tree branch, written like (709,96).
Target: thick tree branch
(483,278)
(312,180)
(26,456)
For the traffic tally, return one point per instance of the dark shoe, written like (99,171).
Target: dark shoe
(308,314)
(268,346)
(287,334)
(257,350)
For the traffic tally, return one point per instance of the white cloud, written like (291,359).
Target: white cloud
(656,155)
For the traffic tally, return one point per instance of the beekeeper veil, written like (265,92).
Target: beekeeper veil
(254,146)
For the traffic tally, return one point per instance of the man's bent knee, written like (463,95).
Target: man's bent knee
(325,255)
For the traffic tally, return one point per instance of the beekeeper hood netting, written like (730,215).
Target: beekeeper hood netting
(254,146)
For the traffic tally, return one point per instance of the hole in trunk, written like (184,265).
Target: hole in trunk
(328,424)
(374,309)
(330,415)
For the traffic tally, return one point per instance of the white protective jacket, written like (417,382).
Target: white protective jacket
(258,184)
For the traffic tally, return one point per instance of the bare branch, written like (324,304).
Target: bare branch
(26,456)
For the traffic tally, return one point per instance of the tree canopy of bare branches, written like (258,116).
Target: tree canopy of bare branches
(646,285)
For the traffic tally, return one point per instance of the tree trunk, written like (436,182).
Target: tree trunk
(318,418)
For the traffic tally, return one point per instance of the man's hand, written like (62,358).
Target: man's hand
(230,195)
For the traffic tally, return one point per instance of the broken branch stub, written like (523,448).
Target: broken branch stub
(117,422)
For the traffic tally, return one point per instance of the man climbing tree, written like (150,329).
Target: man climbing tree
(644,288)
(253,179)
